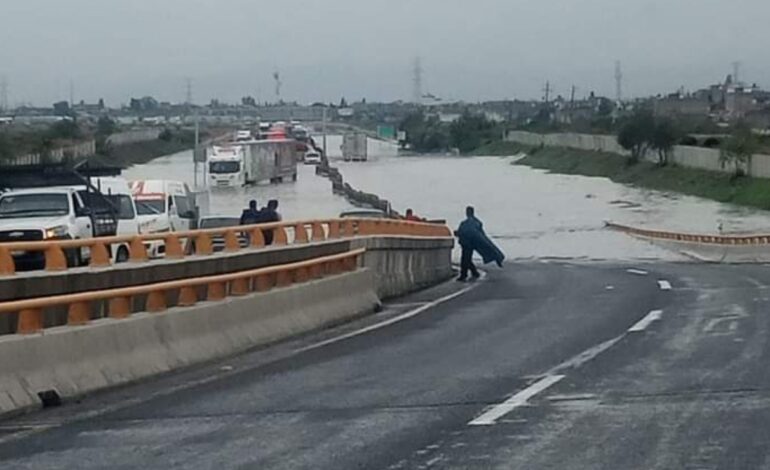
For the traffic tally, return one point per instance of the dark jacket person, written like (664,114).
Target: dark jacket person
(468,234)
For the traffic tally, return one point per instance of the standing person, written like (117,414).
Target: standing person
(467,234)
(269,215)
(250,215)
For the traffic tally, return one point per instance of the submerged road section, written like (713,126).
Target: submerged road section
(542,365)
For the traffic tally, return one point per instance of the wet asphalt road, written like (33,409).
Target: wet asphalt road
(688,390)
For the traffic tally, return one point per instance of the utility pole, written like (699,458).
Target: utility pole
(547,90)
(72,94)
(572,98)
(618,81)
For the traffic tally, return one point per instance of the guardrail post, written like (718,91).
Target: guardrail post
(350,263)
(156,301)
(55,259)
(203,245)
(100,257)
(349,227)
(300,233)
(119,307)
(257,238)
(231,241)
(216,291)
(79,313)
(188,297)
(263,282)
(318,232)
(173,246)
(316,271)
(30,321)
(279,236)
(138,252)
(334,230)
(283,278)
(240,287)
(301,275)
(7,266)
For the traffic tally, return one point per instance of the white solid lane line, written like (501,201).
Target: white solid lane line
(520,399)
(390,321)
(642,324)
(664,285)
(638,272)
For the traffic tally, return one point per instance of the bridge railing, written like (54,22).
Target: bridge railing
(121,301)
(178,245)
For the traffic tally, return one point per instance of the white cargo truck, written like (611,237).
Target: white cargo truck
(354,147)
(273,161)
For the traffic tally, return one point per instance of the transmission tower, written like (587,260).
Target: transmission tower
(547,90)
(3,93)
(188,92)
(278,85)
(736,72)
(72,93)
(618,81)
(417,81)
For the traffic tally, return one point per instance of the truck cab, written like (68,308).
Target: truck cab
(163,206)
(225,166)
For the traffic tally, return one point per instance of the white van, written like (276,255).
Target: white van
(163,206)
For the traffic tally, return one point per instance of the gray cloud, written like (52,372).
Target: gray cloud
(325,49)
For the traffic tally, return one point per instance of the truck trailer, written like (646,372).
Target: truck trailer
(272,161)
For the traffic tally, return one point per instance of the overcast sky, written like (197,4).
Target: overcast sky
(325,49)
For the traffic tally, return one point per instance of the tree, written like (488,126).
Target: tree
(424,134)
(472,131)
(66,129)
(738,149)
(636,135)
(664,137)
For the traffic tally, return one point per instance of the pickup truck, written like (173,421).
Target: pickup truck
(57,213)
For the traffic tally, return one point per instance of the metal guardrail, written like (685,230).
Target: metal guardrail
(693,238)
(178,245)
(120,301)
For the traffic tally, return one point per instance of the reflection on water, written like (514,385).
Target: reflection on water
(535,214)
(532,214)
(311,197)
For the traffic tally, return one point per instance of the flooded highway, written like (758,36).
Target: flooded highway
(534,214)
(311,197)
(531,213)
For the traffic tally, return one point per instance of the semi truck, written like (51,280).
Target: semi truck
(354,147)
(272,161)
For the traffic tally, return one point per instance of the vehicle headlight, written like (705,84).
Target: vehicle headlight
(59,231)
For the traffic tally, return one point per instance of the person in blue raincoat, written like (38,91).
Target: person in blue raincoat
(472,238)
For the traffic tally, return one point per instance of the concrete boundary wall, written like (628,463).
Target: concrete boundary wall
(73,361)
(402,265)
(685,156)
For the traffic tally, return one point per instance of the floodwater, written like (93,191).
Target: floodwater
(530,213)
(534,214)
(311,197)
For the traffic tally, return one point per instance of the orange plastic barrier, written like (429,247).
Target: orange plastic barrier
(302,232)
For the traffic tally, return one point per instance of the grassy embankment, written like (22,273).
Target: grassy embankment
(744,191)
(142,152)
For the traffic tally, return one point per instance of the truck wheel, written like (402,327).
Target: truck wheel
(122,255)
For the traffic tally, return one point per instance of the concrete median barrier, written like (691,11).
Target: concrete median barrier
(72,361)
